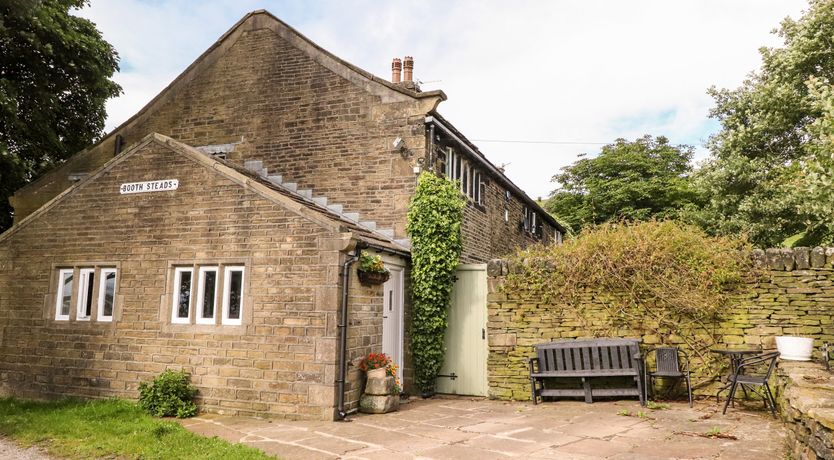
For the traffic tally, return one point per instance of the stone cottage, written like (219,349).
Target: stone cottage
(215,231)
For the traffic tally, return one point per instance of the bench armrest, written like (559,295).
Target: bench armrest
(534,365)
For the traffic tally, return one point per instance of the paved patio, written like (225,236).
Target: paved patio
(463,428)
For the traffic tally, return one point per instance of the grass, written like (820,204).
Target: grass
(656,406)
(108,428)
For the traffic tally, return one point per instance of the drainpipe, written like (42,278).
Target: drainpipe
(340,404)
(431,148)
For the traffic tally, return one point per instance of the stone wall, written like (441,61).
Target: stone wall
(791,294)
(281,361)
(805,395)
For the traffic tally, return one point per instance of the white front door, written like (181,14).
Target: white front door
(392,316)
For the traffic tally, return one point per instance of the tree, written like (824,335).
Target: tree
(639,180)
(757,180)
(55,71)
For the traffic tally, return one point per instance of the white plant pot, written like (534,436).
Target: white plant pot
(795,348)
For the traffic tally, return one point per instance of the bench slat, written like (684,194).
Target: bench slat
(587,373)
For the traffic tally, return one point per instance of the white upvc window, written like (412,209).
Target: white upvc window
(86,283)
(233,295)
(106,294)
(63,302)
(181,305)
(478,187)
(207,285)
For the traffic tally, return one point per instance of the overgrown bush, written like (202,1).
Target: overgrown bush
(658,278)
(170,394)
(434,220)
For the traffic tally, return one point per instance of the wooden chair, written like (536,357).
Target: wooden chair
(668,365)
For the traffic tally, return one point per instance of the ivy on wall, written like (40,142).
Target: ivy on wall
(434,221)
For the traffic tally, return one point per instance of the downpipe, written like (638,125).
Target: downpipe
(343,322)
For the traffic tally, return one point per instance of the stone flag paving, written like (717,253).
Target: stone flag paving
(462,428)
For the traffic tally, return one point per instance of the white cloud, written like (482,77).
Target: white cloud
(535,70)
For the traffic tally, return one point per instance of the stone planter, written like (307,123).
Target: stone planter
(795,348)
(377,398)
(376,373)
(373,278)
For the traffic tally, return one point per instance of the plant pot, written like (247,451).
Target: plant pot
(373,278)
(795,348)
(380,373)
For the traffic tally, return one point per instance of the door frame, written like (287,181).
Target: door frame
(398,264)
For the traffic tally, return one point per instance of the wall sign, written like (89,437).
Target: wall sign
(165,185)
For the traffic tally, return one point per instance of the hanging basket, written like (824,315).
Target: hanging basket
(373,278)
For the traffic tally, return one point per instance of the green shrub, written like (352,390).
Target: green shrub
(170,394)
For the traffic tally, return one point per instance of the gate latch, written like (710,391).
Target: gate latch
(452,376)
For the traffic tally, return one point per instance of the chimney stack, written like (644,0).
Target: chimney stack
(396,67)
(408,68)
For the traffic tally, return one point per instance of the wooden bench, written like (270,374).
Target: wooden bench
(586,359)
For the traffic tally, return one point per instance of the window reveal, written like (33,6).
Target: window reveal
(106,294)
(64,301)
(207,295)
(182,295)
(86,280)
(233,295)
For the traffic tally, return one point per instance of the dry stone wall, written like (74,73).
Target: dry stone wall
(792,293)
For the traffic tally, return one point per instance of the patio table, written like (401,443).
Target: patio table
(735,355)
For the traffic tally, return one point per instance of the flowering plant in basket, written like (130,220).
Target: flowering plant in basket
(375,361)
(372,270)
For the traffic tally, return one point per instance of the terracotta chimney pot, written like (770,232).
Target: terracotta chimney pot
(408,68)
(396,67)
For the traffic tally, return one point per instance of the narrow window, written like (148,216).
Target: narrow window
(526,219)
(441,162)
(479,186)
(62,304)
(86,280)
(533,225)
(557,237)
(464,183)
(106,294)
(206,295)
(232,295)
(506,215)
(457,168)
(181,310)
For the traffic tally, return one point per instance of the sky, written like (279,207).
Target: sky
(566,77)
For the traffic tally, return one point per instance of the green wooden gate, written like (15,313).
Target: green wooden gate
(464,370)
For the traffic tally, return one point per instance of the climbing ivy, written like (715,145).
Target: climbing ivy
(434,219)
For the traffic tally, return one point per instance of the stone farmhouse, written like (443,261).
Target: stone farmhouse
(215,231)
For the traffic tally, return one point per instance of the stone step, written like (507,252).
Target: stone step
(262,172)
(354,216)
(253,165)
(290,186)
(369,224)
(388,232)
(275,179)
(405,242)
(306,193)
(320,200)
(337,208)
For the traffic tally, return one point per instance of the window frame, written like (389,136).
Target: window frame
(102,290)
(227,271)
(175,301)
(85,293)
(201,279)
(60,295)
